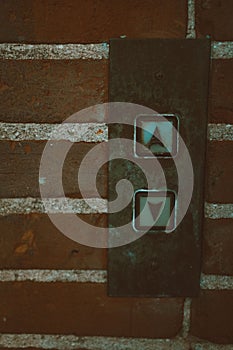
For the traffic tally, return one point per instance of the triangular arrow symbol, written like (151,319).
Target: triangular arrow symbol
(155,209)
(155,139)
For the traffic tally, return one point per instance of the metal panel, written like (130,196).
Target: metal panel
(169,76)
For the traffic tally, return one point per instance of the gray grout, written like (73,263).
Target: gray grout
(210,346)
(54,51)
(65,342)
(207,282)
(222,50)
(191,31)
(74,132)
(8,51)
(86,132)
(29,205)
(220,132)
(186,317)
(216,282)
(69,342)
(38,275)
(219,211)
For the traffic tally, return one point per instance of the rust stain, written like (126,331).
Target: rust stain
(33,216)
(27,243)
(12,145)
(3,86)
(21,249)
(27,149)
(28,237)
(99,132)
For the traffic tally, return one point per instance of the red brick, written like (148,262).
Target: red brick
(19,170)
(221,91)
(214,17)
(85,309)
(90,21)
(33,242)
(212,315)
(219,172)
(217,247)
(49,91)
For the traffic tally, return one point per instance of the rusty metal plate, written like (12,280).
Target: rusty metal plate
(171,77)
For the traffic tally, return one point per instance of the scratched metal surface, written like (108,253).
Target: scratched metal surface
(169,76)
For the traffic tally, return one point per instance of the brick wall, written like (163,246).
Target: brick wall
(52,290)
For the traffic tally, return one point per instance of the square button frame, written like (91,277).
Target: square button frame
(173,118)
(154,193)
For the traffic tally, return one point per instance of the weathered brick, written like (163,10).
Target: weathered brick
(50,91)
(221,91)
(214,17)
(219,172)
(90,21)
(19,170)
(85,309)
(217,247)
(33,242)
(211,316)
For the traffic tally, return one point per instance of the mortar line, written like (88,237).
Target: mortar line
(85,132)
(216,282)
(222,50)
(191,31)
(67,341)
(73,132)
(219,210)
(186,317)
(13,51)
(220,132)
(205,345)
(65,205)
(47,275)
(62,342)
(207,282)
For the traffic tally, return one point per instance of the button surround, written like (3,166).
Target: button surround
(138,211)
(139,135)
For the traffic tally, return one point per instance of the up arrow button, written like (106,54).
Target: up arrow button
(157,135)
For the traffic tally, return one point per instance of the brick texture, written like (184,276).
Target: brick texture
(19,170)
(84,309)
(211,316)
(219,172)
(214,17)
(91,21)
(221,91)
(33,242)
(50,91)
(217,247)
